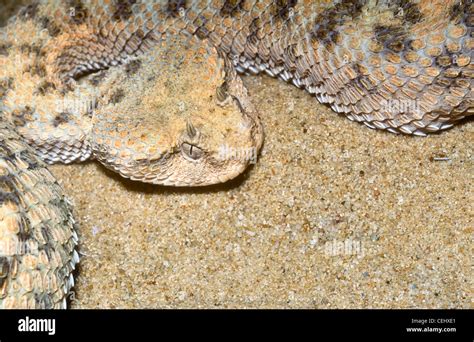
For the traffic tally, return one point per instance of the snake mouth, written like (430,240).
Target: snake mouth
(185,165)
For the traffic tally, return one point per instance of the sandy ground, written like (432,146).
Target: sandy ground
(333,215)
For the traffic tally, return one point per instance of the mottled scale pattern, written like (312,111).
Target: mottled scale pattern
(404,66)
(37,233)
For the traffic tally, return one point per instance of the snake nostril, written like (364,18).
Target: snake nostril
(191,151)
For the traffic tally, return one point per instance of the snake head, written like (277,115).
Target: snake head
(166,124)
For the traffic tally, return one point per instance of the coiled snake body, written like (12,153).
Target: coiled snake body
(150,89)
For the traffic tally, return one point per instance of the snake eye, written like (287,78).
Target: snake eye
(191,151)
